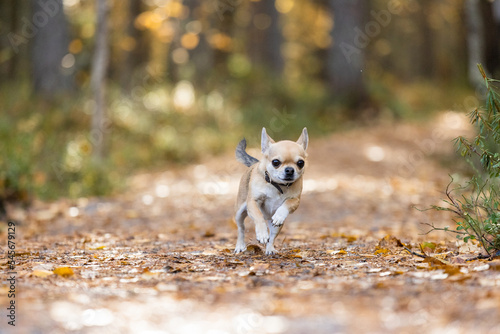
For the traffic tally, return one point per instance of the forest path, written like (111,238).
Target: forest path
(158,258)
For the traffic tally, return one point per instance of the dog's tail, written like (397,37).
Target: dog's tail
(242,156)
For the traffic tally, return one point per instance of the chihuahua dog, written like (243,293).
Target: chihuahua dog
(270,189)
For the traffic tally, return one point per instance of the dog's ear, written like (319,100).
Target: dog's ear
(303,139)
(265,141)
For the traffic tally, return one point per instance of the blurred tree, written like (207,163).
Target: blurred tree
(50,45)
(135,45)
(322,52)
(426,48)
(482,39)
(9,23)
(176,54)
(491,35)
(200,52)
(98,79)
(265,40)
(222,41)
(346,56)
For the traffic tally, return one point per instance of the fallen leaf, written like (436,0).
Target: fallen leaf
(208,234)
(64,271)
(254,249)
(350,238)
(341,252)
(389,241)
(382,251)
(428,246)
(451,270)
(436,261)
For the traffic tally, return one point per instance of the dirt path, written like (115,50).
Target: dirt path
(158,259)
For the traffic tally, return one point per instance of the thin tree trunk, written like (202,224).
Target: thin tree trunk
(475,41)
(14,60)
(427,57)
(346,56)
(265,46)
(201,57)
(138,56)
(50,45)
(98,80)
(491,49)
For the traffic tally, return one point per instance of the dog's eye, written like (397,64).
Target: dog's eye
(300,163)
(276,163)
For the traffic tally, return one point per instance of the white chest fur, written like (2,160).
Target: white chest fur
(271,201)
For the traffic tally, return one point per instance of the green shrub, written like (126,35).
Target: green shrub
(477,204)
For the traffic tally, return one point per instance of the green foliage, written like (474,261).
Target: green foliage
(477,206)
(46,147)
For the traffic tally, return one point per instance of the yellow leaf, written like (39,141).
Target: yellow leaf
(341,252)
(381,251)
(64,271)
(351,238)
(451,270)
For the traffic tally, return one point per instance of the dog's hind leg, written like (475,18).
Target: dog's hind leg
(240,216)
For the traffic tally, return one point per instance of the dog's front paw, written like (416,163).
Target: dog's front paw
(240,248)
(270,250)
(280,216)
(262,235)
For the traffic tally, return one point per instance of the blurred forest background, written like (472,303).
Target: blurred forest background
(92,90)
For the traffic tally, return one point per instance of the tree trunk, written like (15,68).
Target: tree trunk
(426,48)
(202,56)
(322,54)
(491,49)
(224,22)
(139,54)
(13,62)
(50,45)
(346,56)
(475,41)
(98,80)
(265,37)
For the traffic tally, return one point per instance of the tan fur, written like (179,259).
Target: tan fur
(262,201)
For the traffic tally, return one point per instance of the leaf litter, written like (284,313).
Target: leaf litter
(351,259)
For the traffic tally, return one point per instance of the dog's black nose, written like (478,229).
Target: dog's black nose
(289,170)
